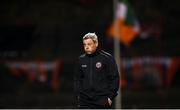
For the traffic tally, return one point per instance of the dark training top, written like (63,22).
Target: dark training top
(96,75)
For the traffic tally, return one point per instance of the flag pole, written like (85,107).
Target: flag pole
(117,52)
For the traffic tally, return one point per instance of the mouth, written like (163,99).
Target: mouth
(88,52)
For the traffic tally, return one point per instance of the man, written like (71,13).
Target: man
(96,76)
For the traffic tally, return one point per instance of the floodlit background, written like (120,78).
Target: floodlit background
(40,41)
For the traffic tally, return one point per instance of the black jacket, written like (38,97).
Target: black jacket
(96,75)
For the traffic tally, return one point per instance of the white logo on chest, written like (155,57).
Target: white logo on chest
(98,65)
(84,66)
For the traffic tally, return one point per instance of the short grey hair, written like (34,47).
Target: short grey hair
(92,36)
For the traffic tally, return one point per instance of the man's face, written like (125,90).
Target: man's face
(89,46)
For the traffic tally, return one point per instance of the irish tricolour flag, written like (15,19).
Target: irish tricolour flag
(127,23)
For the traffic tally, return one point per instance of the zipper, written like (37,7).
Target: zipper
(91,74)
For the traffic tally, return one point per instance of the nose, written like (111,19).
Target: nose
(86,48)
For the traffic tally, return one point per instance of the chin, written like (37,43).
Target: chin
(88,53)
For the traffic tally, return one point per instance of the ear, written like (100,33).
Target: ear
(96,44)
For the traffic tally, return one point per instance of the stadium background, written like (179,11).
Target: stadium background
(40,41)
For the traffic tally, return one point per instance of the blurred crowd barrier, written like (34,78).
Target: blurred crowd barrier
(136,72)
(148,72)
(33,71)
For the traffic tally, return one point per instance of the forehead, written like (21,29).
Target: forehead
(89,40)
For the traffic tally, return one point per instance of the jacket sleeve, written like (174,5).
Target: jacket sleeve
(113,78)
(77,81)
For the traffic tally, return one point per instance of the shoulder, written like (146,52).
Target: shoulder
(105,54)
(82,56)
